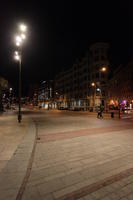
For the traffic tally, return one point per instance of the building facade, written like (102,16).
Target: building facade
(73,87)
(120,87)
(99,69)
(3,88)
(46,94)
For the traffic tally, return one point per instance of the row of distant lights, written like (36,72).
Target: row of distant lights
(19,39)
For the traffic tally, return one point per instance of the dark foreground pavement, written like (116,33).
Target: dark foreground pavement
(64,155)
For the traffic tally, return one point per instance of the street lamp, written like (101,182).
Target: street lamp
(18,56)
(94,93)
(103,69)
(96,89)
(93,84)
(10,96)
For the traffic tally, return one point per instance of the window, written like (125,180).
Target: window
(102,57)
(97,75)
(103,75)
(96,58)
(96,51)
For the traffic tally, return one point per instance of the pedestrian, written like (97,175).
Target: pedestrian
(98,112)
(101,111)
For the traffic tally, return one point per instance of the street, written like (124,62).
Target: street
(62,155)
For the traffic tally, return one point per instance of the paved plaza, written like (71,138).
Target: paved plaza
(62,155)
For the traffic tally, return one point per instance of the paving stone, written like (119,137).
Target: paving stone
(63,192)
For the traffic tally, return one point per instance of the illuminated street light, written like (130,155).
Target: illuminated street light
(103,69)
(17,44)
(98,89)
(92,84)
(23,28)
(18,39)
(16,53)
(18,56)
(23,36)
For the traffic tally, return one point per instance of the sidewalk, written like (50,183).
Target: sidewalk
(16,145)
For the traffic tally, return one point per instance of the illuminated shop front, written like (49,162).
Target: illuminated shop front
(121,104)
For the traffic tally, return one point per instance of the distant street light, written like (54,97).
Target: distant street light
(93,84)
(98,89)
(10,96)
(18,56)
(103,69)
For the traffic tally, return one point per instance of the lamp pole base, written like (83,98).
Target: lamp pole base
(19,118)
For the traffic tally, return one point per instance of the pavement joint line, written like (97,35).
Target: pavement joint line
(96,186)
(28,171)
(78,133)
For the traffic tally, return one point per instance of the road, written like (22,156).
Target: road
(77,156)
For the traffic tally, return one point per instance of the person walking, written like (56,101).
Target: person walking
(101,111)
(98,112)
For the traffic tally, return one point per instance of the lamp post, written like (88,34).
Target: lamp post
(97,85)
(94,93)
(103,71)
(18,56)
(96,89)
(10,96)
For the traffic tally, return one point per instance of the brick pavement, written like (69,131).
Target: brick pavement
(82,164)
(72,134)
(11,134)
(18,140)
(92,160)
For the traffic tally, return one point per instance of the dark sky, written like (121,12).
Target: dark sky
(61,31)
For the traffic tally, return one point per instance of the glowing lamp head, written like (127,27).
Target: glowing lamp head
(23,28)
(18,39)
(16,53)
(98,89)
(17,57)
(103,69)
(23,36)
(93,84)
(17,44)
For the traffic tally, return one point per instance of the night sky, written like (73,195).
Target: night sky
(61,31)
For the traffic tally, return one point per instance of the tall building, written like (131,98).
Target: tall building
(3,88)
(120,87)
(71,86)
(98,68)
(46,94)
(73,89)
